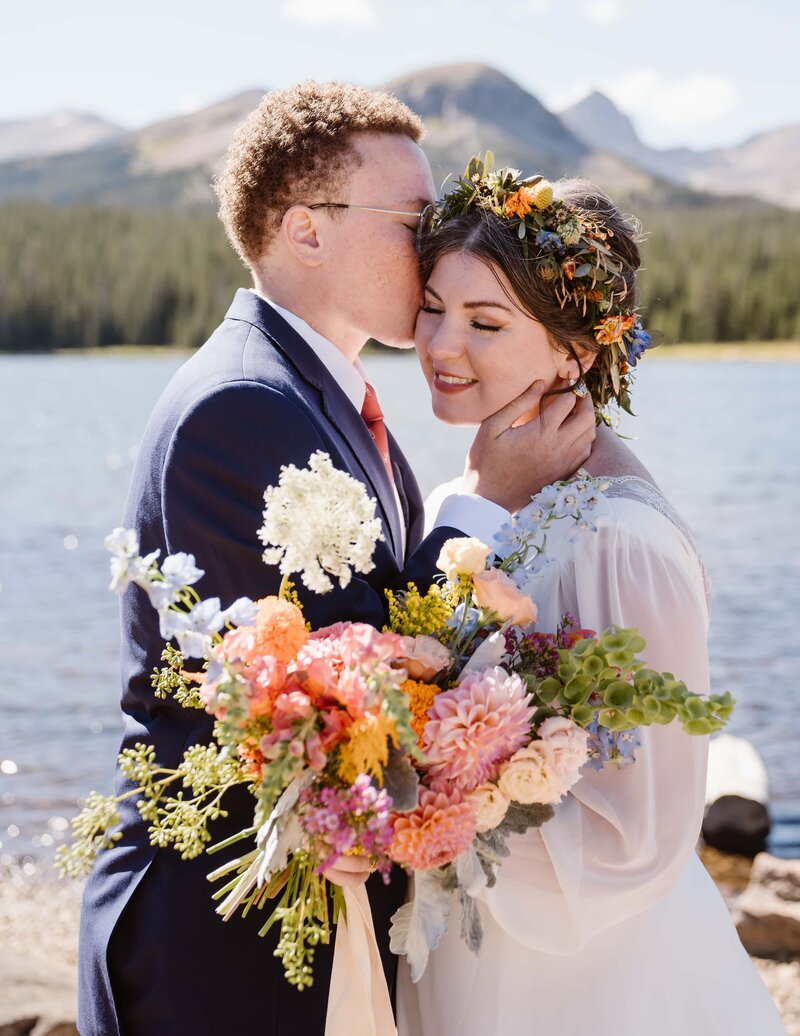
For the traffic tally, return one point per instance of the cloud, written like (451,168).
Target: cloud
(601,10)
(330,12)
(690,101)
(539,6)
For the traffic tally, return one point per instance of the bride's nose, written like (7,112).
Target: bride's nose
(445,343)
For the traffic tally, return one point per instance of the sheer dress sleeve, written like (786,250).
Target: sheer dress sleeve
(621,838)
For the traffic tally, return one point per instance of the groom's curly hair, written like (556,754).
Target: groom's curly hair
(297,146)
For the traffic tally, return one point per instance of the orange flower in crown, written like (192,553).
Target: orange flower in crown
(520,202)
(611,330)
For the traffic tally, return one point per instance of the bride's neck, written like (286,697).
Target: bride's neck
(612,458)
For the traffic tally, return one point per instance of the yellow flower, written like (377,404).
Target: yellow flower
(543,194)
(413,615)
(420,698)
(367,749)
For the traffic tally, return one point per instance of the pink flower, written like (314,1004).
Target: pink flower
(291,706)
(436,832)
(496,591)
(476,726)
(422,657)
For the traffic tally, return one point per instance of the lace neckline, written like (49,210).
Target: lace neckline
(634,487)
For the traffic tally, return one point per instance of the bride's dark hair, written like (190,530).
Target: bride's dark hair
(494,240)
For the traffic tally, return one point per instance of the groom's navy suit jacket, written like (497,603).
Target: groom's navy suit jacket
(155,960)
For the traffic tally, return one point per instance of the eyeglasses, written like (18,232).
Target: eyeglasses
(424,218)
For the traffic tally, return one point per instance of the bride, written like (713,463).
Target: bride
(604,920)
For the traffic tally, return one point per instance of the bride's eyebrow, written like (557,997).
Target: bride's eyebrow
(484,305)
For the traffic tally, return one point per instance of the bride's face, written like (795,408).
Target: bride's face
(477,349)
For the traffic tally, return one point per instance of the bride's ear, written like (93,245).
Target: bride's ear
(568,368)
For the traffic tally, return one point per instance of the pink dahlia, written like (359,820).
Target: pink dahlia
(476,726)
(436,832)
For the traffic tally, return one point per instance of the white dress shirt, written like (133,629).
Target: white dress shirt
(472,514)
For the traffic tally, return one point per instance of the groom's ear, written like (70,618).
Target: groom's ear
(299,230)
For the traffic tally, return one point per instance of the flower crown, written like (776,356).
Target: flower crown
(569,250)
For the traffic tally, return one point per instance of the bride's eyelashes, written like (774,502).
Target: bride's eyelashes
(491,328)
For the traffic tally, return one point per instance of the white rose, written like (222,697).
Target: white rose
(490,804)
(569,745)
(530,776)
(464,556)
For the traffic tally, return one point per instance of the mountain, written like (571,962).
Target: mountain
(466,108)
(767,166)
(60,132)
(170,162)
(598,122)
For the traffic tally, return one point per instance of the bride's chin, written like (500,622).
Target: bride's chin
(453,416)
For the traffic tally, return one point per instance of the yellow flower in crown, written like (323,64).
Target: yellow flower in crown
(543,194)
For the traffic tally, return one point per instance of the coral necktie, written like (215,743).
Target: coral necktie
(373,419)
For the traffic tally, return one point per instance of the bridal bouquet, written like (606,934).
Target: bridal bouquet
(426,743)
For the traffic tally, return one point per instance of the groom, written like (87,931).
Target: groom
(321,197)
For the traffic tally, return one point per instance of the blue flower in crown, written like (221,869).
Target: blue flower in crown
(636,342)
(548,242)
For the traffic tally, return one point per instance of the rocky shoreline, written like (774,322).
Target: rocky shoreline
(39,927)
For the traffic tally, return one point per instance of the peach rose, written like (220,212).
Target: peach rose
(490,804)
(422,657)
(463,556)
(530,775)
(569,744)
(497,592)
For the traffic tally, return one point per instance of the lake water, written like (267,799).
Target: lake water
(721,438)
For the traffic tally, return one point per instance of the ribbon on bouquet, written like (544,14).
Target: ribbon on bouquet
(358,1000)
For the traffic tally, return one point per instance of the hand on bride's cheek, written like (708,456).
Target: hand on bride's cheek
(477,348)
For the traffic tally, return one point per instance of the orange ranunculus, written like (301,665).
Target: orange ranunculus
(520,202)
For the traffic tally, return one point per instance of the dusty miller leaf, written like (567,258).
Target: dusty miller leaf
(471,927)
(419,924)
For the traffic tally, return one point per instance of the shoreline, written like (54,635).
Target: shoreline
(724,352)
(39,951)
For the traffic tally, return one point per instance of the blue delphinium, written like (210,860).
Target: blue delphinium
(548,242)
(617,746)
(636,342)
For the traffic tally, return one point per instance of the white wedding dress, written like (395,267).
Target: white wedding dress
(604,921)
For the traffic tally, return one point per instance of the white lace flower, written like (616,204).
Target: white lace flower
(319,520)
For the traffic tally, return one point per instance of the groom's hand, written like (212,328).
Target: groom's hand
(514,454)
(349,871)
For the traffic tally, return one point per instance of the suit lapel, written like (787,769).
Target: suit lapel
(336,406)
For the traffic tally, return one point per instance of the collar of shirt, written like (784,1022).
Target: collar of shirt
(346,374)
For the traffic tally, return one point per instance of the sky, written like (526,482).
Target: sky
(701,73)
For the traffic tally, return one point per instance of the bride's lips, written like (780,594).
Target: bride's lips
(445,381)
